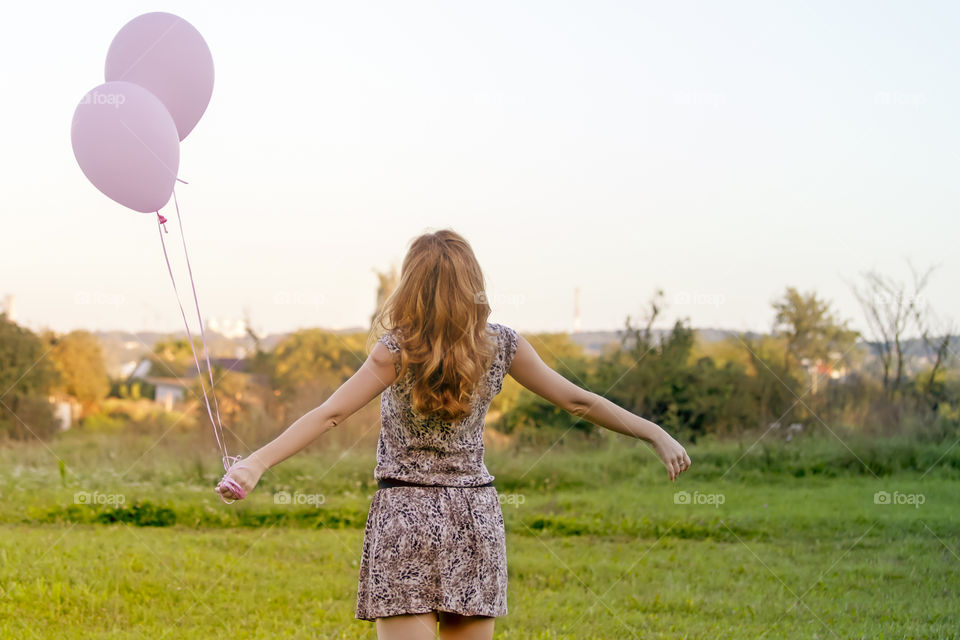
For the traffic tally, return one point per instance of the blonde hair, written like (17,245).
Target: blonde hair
(438,315)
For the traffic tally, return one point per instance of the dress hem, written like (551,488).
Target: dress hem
(415,611)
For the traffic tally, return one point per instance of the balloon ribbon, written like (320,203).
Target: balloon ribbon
(217,424)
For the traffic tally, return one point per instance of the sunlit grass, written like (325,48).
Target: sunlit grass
(783,542)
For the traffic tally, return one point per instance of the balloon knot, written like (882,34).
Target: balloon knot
(162,222)
(229,461)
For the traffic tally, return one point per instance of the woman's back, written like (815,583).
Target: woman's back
(426,450)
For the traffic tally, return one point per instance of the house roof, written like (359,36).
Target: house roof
(170,382)
(143,368)
(236,365)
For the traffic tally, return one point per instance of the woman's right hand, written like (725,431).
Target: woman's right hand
(245,473)
(673,455)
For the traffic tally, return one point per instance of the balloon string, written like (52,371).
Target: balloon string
(203,333)
(160,229)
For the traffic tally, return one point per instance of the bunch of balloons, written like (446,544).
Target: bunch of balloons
(126,137)
(126,132)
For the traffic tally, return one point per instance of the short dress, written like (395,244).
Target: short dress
(437,548)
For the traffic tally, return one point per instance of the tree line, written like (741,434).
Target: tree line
(811,372)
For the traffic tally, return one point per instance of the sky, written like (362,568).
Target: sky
(718,151)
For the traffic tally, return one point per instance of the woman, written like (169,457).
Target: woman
(434,549)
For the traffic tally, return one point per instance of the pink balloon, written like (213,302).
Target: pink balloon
(126,144)
(168,56)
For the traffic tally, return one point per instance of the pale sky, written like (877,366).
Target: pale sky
(719,150)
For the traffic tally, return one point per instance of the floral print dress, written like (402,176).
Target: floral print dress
(437,548)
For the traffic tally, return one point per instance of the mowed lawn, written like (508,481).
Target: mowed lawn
(748,555)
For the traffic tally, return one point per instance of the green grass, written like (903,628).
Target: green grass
(598,546)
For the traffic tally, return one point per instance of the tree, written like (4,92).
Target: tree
(523,412)
(558,351)
(387,281)
(659,380)
(937,336)
(891,307)
(772,385)
(79,360)
(810,328)
(177,349)
(310,363)
(174,358)
(26,378)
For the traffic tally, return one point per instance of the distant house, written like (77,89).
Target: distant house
(66,410)
(167,391)
(140,369)
(818,369)
(170,390)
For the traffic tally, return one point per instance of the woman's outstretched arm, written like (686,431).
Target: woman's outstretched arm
(375,375)
(533,373)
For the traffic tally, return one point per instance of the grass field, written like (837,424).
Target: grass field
(785,541)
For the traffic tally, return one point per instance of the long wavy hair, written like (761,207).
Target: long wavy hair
(438,315)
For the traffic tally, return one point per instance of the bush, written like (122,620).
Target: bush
(137,416)
(102,422)
(28,417)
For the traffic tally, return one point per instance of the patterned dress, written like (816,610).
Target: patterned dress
(435,548)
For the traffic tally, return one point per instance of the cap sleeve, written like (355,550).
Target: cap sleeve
(507,348)
(509,340)
(391,344)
